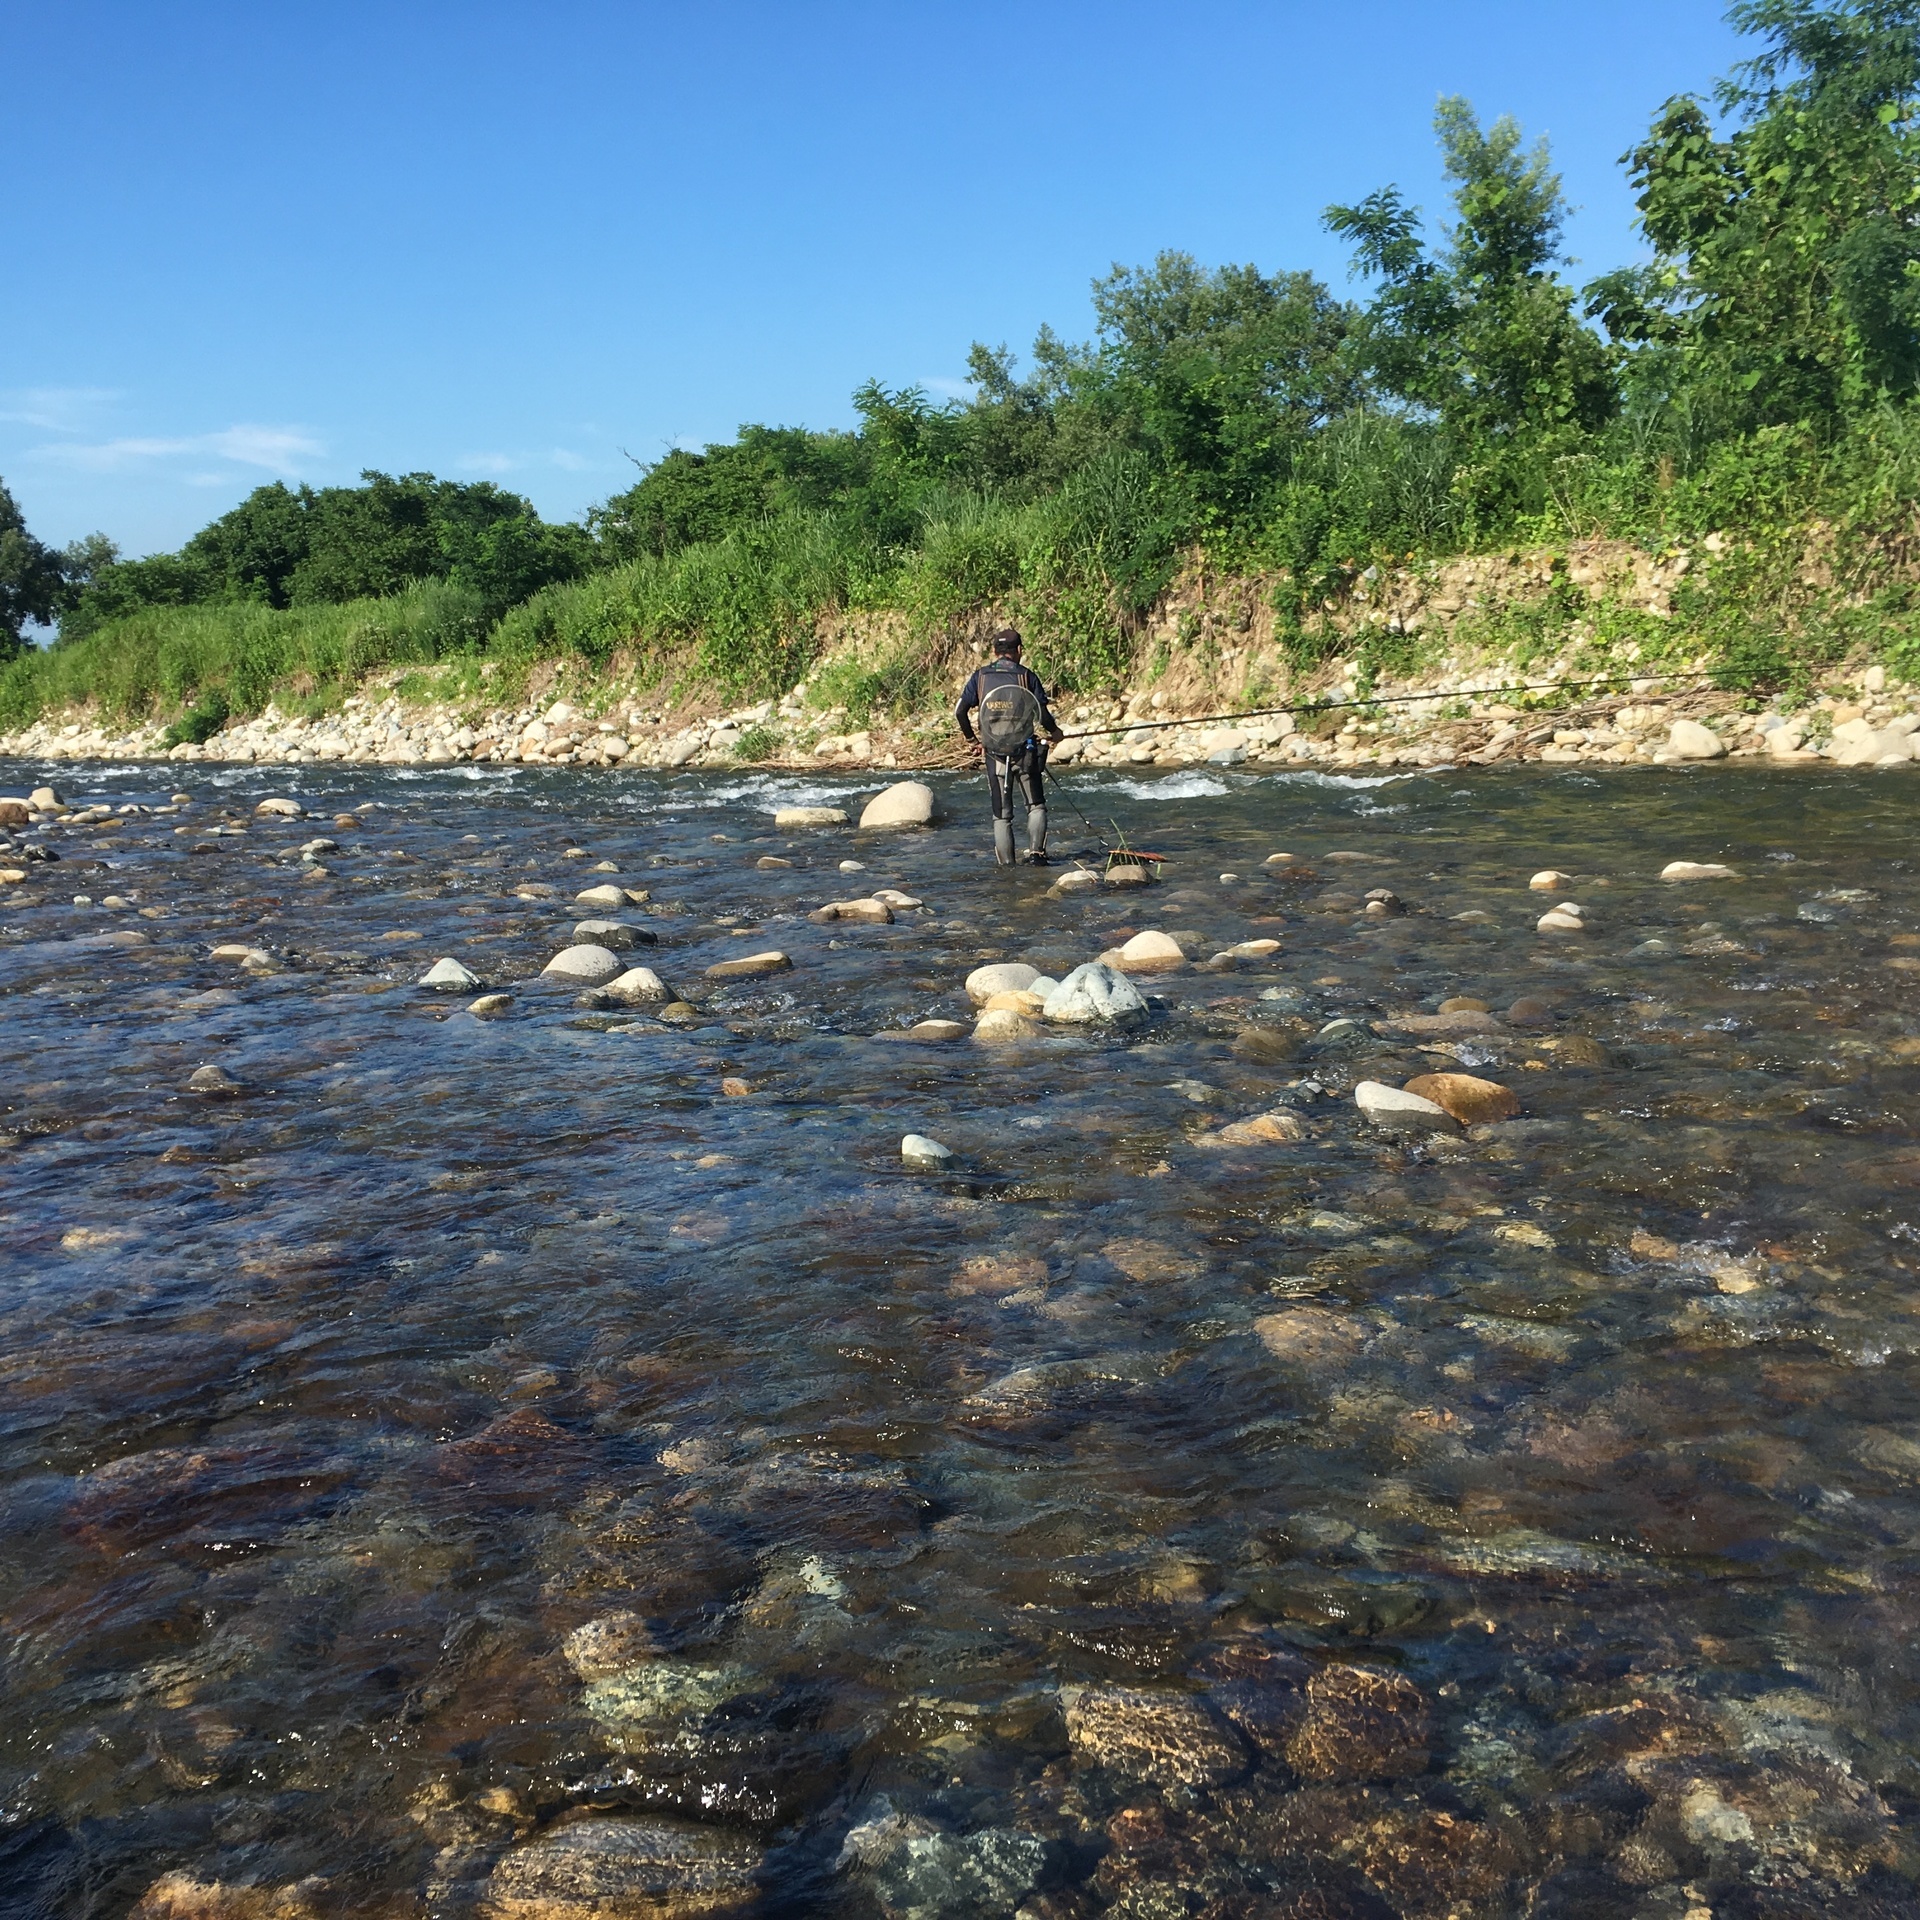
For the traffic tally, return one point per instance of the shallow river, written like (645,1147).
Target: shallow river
(482,1467)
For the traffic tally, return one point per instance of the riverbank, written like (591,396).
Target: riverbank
(1653,721)
(1596,651)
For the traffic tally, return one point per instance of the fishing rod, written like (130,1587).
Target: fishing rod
(1371,700)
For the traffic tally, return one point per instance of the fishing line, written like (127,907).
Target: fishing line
(1372,700)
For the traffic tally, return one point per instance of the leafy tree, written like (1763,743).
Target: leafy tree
(1224,374)
(1787,254)
(1482,335)
(32,580)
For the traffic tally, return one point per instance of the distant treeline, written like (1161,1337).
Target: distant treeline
(1760,369)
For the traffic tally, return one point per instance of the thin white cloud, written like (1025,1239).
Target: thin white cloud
(275,449)
(572,462)
(486,463)
(55,409)
(953,389)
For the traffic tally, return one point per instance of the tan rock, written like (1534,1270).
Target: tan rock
(1128,875)
(1550,880)
(1150,952)
(1473,1102)
(612,1867)
(1264,1129)
(179,1896)
(998,1025)
(866,913)
(1696,870)
(1003,976)
(1019,999)
(1362,1723)
(928,1032)
(1156,1735)
(810,817)
(1309,1334)
(1001,1273)
(1151,1260)
(750,964)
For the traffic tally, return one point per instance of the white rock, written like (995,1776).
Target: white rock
(639,983)
(908,803)
(1691,741)
(1565,918)
(1079,880)
(810,817)
(587,964)
(449,976)
(1006,976)
(853,866)
(609,896)
(1094,993)
(1550,880)
(928,1156)
(284,808)
(1784,741)
(1696,870)
(1394,1110)
(893,897)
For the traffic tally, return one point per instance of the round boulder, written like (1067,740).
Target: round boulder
(1473,1102)
(586,965)
(907,803)
(1006,976)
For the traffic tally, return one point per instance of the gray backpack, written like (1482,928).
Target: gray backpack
(1009,712)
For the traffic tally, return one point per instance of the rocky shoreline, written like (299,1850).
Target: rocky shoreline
(1464,718)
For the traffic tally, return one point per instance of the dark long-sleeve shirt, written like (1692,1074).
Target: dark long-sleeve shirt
(1001,671)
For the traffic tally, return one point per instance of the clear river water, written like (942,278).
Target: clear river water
(480,1466)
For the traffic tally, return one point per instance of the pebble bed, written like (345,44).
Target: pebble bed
(534,1447)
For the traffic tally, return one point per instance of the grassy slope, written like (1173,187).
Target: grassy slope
(1775,561)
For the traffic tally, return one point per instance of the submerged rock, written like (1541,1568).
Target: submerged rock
(1696,870)
(918,1872)
(1156,1735)
(1263,1129)
(212,1080)
(617,1868)
(810,817)
(1361,1723)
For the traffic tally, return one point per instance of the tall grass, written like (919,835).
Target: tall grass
(746,614)
(158,660)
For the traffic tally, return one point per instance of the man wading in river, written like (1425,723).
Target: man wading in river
(1012,708)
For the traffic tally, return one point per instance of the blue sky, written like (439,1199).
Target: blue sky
(519,243)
